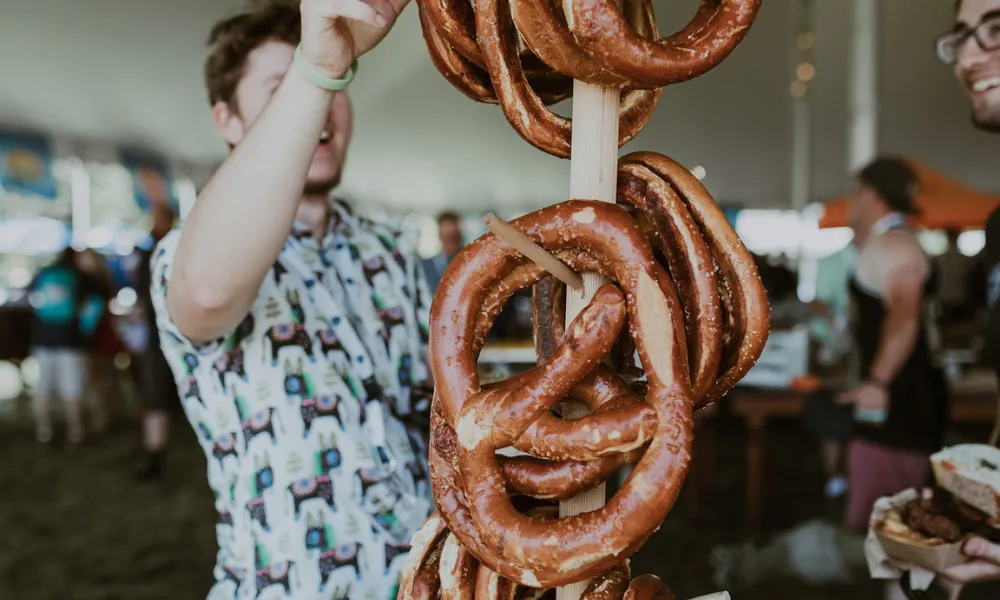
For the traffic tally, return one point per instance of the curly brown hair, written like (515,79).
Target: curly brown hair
(234,38)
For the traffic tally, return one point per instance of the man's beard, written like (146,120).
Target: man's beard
(320,187)
(990,122)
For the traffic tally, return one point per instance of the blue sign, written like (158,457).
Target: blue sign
(152,183)
(26,165)
(731,213)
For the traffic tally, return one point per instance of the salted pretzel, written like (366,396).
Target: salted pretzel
(469,482)
(524,108)
(438,566)
(727,318)
(716,30)
(468,75)
(725,303)
(491,54)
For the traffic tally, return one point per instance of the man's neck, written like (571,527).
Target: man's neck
(314,213)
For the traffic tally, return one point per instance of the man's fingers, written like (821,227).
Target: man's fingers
(355,10)
(977,570)
(981,548)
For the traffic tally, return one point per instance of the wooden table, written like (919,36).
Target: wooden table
(758,406)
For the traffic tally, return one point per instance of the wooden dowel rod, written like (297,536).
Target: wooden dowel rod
(523,244)
(593,176)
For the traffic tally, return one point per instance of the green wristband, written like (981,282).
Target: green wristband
(319,79)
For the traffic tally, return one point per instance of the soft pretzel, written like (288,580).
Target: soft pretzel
(744,308)
(716,30)
(726,315)
(491,53)
(543,26)
(525,110)
(450,572)
(474,501)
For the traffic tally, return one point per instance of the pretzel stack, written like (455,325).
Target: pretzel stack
(682,294)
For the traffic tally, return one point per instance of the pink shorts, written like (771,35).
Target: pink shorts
(874,471)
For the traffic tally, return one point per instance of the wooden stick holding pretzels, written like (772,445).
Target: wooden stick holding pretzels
(594,176)
(525,246)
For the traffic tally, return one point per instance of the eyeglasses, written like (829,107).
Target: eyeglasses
(986,34)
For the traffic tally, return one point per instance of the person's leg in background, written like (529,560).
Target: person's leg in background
(876,471)
(73,367)
(833,464)
(98,393)
(105,392)
(157,391)
(44,390)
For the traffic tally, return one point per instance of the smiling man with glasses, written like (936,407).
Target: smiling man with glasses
(972,48)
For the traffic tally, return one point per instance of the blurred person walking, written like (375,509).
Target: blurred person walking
(68,304)
(105,345)
(158,390)
(901,405)
(452,242)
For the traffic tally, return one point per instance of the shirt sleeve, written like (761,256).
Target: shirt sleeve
(172,341)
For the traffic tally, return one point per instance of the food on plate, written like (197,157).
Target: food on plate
(971,472)
(937,519)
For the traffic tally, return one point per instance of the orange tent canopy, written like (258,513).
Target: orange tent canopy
(944,203)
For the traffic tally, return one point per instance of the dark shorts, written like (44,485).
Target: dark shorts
(159,388)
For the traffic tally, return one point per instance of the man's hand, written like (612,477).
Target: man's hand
(985,565)
(337,32)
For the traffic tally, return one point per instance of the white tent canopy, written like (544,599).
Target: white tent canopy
(100,72)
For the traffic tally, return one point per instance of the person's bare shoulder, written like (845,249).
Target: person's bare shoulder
(899,249)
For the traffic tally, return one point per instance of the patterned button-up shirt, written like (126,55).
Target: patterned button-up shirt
(310,415)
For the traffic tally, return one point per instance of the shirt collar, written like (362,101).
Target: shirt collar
(340,215)
(890,221)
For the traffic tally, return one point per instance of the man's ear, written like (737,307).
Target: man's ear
(229,123)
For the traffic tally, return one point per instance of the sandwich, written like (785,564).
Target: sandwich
(965,500)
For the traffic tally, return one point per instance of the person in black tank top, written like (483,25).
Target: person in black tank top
(901,403)
(917,395)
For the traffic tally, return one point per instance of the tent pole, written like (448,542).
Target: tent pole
(862,142)
(804,71)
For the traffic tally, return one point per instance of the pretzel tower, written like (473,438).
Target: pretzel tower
(665,278)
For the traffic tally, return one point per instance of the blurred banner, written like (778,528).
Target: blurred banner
(151,179)
(26,165)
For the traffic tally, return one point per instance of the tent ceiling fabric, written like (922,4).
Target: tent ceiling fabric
(108,71)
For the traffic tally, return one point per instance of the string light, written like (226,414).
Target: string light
(798,89)
(805,71)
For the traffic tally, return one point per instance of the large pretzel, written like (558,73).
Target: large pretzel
(470,488)
(717,28)
(725,305)
(438,566)
(467,74)
(524,109)
(724,300)
(480,52)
